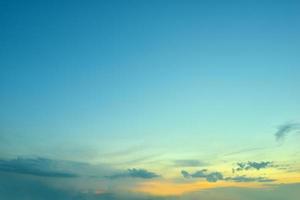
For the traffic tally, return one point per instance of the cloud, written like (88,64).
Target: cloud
(253,165)
(249,179)
(285,129)
(216,176)
(210,177)
(189,163)
(35,166)
(135,173)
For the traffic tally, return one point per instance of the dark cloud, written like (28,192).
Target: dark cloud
(135,173)
(285,129)
(141,173)
(253,165)
(249,179)
(216,176)
(34,166)
(209,176)
(189,163)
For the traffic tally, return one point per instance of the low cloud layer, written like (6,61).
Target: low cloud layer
(44,186)
(35,190)
(135,173)
(285,129)
(50,168)
(36,167)
(66,169)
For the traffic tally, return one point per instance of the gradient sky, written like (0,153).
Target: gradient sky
(133,93)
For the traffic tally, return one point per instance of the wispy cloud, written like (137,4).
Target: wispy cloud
(249,179)
(135,173)
(189,163)
(285,129)
(245,151)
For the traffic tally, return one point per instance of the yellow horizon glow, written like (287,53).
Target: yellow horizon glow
(168,188)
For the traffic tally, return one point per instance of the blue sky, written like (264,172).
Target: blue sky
(142,84)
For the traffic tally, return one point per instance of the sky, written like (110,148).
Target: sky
(153,100)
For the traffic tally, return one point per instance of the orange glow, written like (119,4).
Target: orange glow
(290,180)
(166,188)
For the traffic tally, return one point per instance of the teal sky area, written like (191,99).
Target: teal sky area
(145,84)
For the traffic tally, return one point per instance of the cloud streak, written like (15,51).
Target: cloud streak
(249,179)
(189,163)
(285,129)
(135,173)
